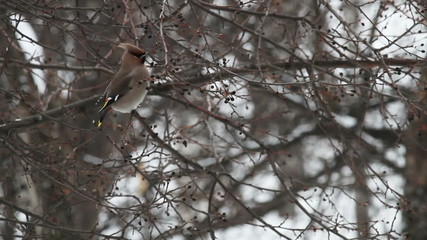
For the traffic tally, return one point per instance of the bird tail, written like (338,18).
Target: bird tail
(102,115)
(104,110)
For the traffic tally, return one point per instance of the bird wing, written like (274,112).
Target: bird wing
(116,90)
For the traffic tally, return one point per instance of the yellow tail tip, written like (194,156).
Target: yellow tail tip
(99,124)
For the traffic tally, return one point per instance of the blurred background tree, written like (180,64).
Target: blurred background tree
(274,119)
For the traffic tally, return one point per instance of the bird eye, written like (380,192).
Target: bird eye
(139,55)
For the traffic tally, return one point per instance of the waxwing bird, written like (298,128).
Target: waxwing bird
(129,85)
